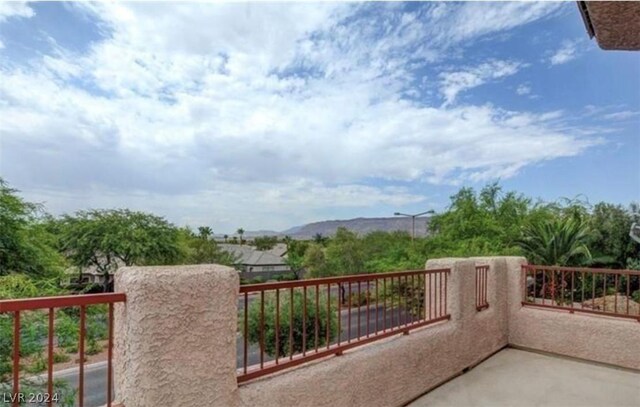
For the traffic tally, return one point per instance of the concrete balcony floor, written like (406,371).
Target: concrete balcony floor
(526,379)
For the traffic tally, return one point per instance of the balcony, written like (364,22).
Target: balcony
(439,336)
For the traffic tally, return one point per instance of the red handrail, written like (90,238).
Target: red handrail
(404,300)
(580,289)
(17,306)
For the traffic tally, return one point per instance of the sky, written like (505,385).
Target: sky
(267,116)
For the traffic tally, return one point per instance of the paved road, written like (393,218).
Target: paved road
(96,374)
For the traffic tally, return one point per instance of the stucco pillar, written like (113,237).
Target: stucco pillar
(175,337)
(460,286)
(515,283)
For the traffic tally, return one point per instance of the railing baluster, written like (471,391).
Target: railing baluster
(277,331)
(628,293)
(367,295)
(261,329)
(384,305)
(290,324)
(110,358)
(339,312)
(81,351)
(50,358)
(615,295)
(328,315)
(358,302)
(377,305)
(246,327)
(304,320)
(317,331)
(16,356)
(349,314)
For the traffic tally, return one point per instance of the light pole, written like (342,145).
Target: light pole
(413,220)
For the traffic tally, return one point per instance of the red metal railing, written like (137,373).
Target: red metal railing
(482,273)
(288,323)
(588,290)
(18,306)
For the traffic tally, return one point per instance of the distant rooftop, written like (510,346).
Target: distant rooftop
(248,255)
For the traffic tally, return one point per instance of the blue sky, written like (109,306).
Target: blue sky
(266,116)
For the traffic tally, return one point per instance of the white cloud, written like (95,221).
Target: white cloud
(622,115)
(10,9)
(475,19)
(523,89)
(452,83)
(262,112)
(567,52)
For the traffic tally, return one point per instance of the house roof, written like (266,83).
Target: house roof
(280,250)
(251,257)
(614,24)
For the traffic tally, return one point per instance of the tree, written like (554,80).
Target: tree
(202,249)
(345,253)
(319,239)
(609,240)
(240,232)
(265,242)
(205,232)
(26,246)
(558,242)
(225,238)
(491,220)
(315,262)
(296,256)
(102,238)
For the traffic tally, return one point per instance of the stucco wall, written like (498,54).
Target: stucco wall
(176,342)
(395,371)
(175,339)
(601,339)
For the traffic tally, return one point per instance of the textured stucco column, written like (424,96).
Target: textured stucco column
(460,286)
(175,337)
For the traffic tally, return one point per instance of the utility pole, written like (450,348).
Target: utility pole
(413,220)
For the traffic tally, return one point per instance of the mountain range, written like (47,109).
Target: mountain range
(361,226)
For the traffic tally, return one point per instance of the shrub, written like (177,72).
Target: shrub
(59,357)
(254,322)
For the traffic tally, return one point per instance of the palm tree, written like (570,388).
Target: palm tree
(240,232)
(205,232)
(225,238)
(556,242)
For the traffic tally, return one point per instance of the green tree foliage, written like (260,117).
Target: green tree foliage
(283,345)
(609,239)
(315,262)
(556,242)
(295,256)
(265,242)
(26,246)
(345,253)
(102,238)
(201,249)
(240,233)
(480,224)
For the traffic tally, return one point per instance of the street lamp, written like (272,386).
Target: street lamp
(413,220)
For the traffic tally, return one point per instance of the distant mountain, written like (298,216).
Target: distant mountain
(361,226)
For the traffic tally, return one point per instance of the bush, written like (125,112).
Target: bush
(39,364)
(67,331)
(286,277)
(60,357)
(283,327)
